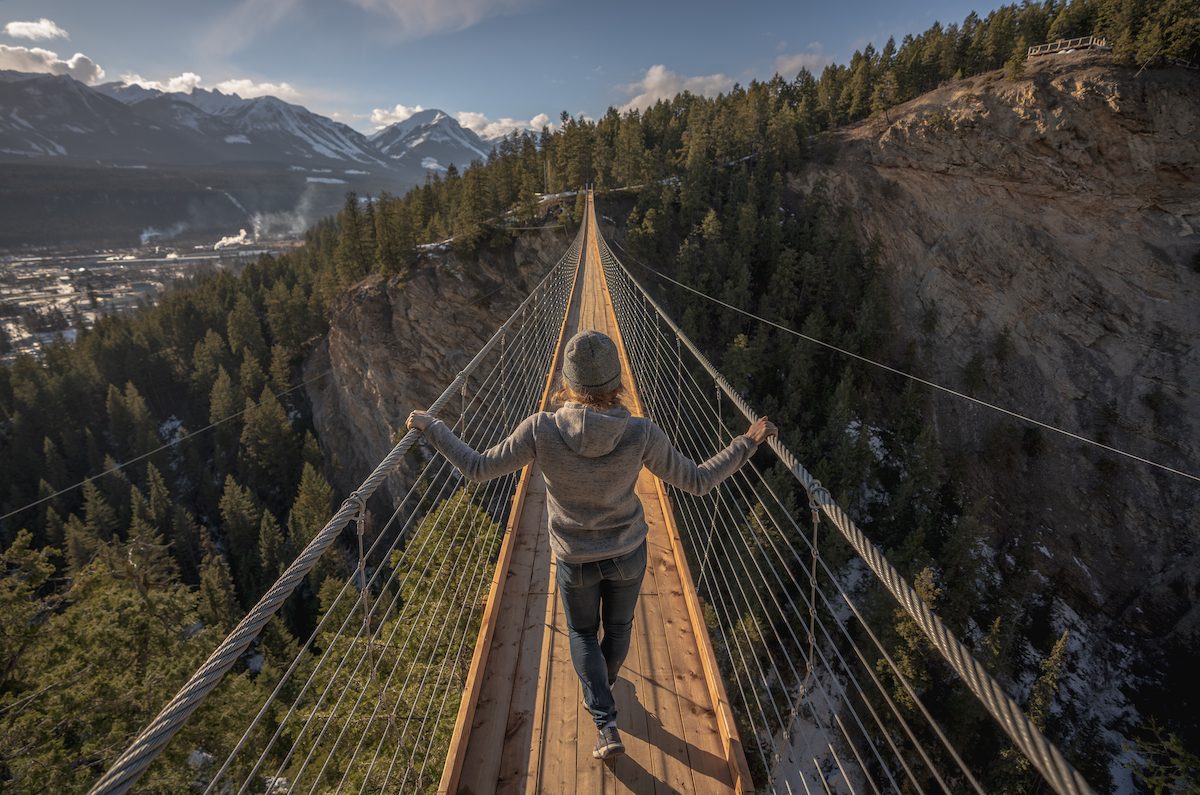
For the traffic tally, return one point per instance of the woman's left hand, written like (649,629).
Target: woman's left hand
(419,420)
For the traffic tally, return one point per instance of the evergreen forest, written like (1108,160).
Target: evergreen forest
(202,477)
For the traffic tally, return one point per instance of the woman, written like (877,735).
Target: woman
(591,452)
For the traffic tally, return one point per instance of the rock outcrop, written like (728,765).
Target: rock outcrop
(1041,238)
(394,344)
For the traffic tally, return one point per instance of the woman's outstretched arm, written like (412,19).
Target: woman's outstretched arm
(665,460)
(508,456)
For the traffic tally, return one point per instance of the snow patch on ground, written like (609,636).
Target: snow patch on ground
(431,163)
(168,429)
(237,139)
(439,246)
(327,180)
(874,440)
(1093,683)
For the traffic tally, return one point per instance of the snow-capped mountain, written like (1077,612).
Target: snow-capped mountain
(263,128)
(44,116)
(54,116)
(204,160)
(430,140)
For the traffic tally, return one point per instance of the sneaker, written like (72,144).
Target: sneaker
(608,743)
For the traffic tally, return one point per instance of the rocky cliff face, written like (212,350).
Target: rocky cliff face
(394,344)
(1041,237)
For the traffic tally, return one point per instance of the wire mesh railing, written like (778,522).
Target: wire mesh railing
(368,700)
(821,701)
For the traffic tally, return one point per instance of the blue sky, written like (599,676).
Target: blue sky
(368,62)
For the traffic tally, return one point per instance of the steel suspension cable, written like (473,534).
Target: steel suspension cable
(295,662)
(940,734)
(153,738)
(1045,756)
(443,468)
(700,452)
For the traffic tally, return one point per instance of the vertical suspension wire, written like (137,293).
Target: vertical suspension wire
(360,521)
(486,500)
(796,587)
(815,509)
(867,704)
(430,492)
(480,416)
(867,666)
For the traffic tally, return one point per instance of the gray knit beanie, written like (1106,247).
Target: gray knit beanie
(591,363)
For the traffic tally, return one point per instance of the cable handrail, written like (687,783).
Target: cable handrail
(149,743)
(740,539)
(1043,754)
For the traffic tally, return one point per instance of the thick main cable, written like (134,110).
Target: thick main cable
(1048,759)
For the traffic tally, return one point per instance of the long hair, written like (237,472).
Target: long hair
(599,401)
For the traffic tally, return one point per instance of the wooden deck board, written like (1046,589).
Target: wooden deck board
(530,731)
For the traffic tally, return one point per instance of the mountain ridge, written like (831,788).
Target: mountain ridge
(291,133)
(171,159)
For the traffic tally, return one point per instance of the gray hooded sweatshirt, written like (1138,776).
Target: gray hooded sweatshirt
(591,461)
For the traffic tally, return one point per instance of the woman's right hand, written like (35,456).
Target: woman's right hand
(761,430)
(419,420)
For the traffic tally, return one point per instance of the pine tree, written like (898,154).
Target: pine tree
(218,606)
(24,572)
(310,452)
(281,369)
(209,355)
(312,509)
(145,556)
(251,378)
(114,486)
(240,520)
(53,527)
(99,517)
(54,468)
(81,544)
(245,331)
(158,498)
(185,539)
(287,316)
(269,448)
(351,256)
(1045,687)
(885,95)
(223,402)
(270,548)
(528,210)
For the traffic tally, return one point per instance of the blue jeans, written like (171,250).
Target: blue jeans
(602,592)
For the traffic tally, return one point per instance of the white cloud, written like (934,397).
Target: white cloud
(246,89)
(813,59)
(488,129)
(42,29)
(382,117)
(242,24)
(659,82)
(189,81)
(185,82)
(424,17)
(35,59)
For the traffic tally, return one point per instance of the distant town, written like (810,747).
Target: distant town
(51,296)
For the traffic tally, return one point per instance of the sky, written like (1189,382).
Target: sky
(494,64)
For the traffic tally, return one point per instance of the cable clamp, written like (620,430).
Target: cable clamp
(360,504)
(818,495)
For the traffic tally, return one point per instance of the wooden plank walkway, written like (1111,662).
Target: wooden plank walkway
(523,726)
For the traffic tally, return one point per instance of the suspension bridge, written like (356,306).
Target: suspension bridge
(443,662)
